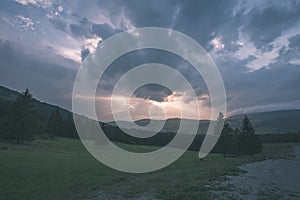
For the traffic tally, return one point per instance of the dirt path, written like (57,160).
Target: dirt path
(270,179)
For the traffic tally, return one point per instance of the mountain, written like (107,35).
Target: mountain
(281,121)
(170,125)
(44,109)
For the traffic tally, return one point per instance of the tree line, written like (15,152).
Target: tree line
(19,122)
(231,141)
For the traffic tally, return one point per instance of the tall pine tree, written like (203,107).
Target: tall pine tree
(21,118)
(249,142)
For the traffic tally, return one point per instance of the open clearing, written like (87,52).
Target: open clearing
(63,169)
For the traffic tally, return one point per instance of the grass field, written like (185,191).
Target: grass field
(63,169)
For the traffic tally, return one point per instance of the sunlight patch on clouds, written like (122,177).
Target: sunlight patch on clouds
(218,47)
(69,53)
(140,108)
(91,43)
(217,43)
(38,3)
(24,23)
(70,50)
(20,22)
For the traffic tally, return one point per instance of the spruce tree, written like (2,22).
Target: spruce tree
(249,142)
(21,118)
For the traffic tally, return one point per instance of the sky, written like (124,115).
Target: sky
(255,45)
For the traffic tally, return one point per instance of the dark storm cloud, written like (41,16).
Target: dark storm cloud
(48,82)
(59,24)
(294,41)
(209,18)
(264,25)
(198,19)
(153,92)
(104,30)
(80,30)
(82,27)
(262,28)
(276,87)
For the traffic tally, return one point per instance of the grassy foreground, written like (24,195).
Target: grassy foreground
(63,169)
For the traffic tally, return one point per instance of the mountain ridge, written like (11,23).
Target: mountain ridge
(280,121)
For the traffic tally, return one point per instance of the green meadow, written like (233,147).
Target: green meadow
(63,169)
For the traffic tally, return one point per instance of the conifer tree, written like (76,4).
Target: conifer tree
(249,142)
(21,118)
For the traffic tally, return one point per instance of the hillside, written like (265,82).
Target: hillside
(44,109)
(171,125)
(281,121)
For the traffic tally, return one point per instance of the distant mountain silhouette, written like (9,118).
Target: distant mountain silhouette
(281,121)
(171,125)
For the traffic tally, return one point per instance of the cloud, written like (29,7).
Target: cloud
(262,59)
(264,108)
(268,19)
(48,82)
(153,92)
(294,41)
(104,30)
(294,62)
(37,3)
(217,43)
(24,23)
(255,44)
(68,53)
(20,22)
(79,30)
(84,54)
